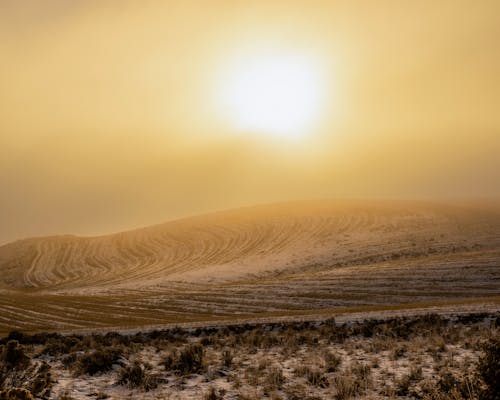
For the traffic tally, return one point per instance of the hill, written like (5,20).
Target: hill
(278,259)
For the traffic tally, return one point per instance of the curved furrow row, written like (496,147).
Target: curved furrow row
(253,240)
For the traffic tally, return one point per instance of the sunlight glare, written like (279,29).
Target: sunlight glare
(278,95)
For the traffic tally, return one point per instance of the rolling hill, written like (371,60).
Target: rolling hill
(278,259)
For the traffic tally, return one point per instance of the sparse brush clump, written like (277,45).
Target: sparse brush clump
(69,360)
(65,396)
(42,382)
(17,370)
(362,373)
(449,386)
(404,383)
(190,360)
(352,382)
(345,386)
(274,379)
(98,361)
(447,381)
(13,356)
(313,376)
(332,361)
(138,376)
(16,394)
(13,363)
(64,345)
(214,394)
(489,369)
(227,358)
(398,352)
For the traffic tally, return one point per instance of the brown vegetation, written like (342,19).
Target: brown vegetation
(422,357)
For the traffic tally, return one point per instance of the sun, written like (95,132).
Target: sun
(273,94)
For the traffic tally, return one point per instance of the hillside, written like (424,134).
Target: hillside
(275,259)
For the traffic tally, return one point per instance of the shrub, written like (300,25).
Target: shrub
(275,378)
(447,381)
(190,360)
(69,360)
(98,361)
(313,376)
(332,362)
(489,369)
(15,394)
(62,345)
(227,358)
(403,384)
(362,373)
(137,375)
(16,335)
(213,394)
(65,396)
(13,355)
(345,387)
(398,352)
(42,382)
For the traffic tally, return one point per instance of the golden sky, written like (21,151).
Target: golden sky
(109,115)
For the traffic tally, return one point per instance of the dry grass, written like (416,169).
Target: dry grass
(328,360)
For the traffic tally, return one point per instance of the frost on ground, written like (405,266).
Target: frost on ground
(254,262)
(422,357)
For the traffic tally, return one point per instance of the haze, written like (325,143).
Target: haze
(109,118)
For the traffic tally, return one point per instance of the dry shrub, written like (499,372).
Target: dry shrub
(227,358)
(253,376)
(138,376)
(42,383)
(249,396)
(380,344)
(18,371)
(489,369)
(403,384)
(345,386)
(431,392)
(447,381)
(13,362)
(262,363)
(16,394)
(69,360)
(213,394)
(332,361)
(313,376)
(362,373)
(190,360)
(36,378)
(298,392)
(65,395)
(13,356)
(398,352)
(56,346)
(274,378)
(450,387)
(98,361)
(352,382)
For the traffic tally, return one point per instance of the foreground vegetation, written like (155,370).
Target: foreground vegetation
(424,357)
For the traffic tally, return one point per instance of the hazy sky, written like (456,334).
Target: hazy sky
(109,118)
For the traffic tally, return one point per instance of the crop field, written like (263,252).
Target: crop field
(292,259)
